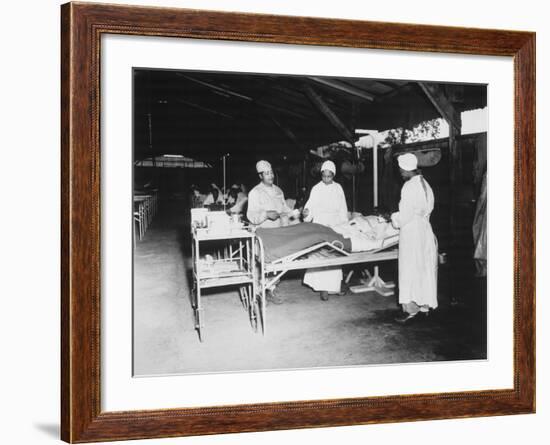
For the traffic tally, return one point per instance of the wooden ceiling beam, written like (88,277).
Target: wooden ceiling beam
(321,105)
(205,109)
(280,109)
(442,104)
(400,89)
(349,89)
(218,88)
(249,99)
(288,133)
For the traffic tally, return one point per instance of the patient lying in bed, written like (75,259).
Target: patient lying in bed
(358,235)
(366,232)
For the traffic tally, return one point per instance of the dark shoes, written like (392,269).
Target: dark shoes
(406,318)
(273,298)
(325,295)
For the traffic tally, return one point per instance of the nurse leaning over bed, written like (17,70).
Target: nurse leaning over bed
(327,206)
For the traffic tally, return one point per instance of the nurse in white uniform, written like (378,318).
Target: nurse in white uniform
(266,202)
(267,208)
(417,243)
(327,206)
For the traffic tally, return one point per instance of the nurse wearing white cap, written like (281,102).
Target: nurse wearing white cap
(417,242)
(327,206)
(267,208)
(407,162)
(266,201)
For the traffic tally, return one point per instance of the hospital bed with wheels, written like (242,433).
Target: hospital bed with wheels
(310,246)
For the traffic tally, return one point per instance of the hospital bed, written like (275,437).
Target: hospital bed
(329,251)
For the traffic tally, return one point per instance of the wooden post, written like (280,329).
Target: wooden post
(455,175)
(356,157)
(446,109)
(442,104)
(374,174)
(454,181)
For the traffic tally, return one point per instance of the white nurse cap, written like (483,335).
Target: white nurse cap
(407,162)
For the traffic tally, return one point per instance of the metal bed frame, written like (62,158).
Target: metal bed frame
(325,254)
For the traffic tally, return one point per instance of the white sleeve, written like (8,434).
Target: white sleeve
(208,200)
(342,206)
(238,207)
(284,207)
(406,208)
(311,204)
(255,213)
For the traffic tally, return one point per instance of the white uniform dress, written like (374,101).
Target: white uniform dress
(417,244)
(327,206)
(263,198)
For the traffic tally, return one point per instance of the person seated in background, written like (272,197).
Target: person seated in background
(232,195)
(237,199)
(197,198)
(214,197)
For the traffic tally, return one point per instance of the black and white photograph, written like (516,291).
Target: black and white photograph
(298,221)
(242,222)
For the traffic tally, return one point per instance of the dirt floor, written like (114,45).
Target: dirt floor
(303,332)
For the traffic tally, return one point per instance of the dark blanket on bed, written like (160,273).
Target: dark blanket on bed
(282,241)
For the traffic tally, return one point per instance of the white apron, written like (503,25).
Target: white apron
(327,206)
(417,244)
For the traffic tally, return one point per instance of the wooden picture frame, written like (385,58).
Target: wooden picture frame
(82,26)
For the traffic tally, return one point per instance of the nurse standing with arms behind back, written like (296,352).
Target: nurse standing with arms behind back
(326,206)
(417,243)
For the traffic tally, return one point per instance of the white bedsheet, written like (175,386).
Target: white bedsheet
(366,232)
